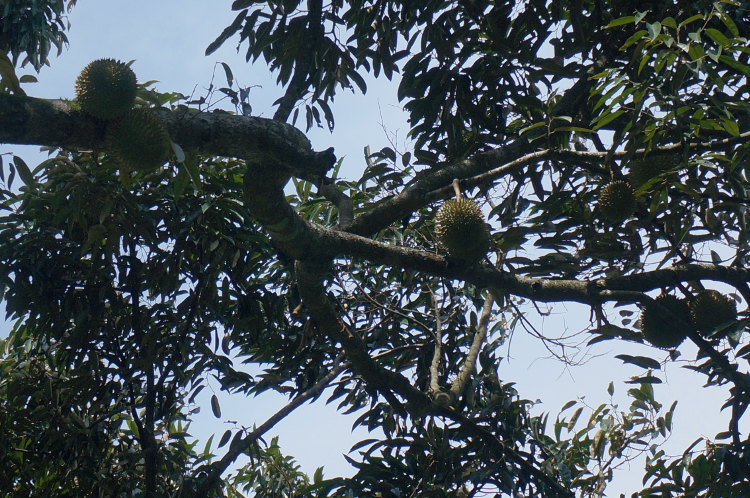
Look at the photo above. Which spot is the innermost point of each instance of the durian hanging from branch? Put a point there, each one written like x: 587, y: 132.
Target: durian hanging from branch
x: 616, y: 202
x: 136, y: 138
x: 645, y: 168
x: 711, y: 309
x: 664, y: 321
x: 106, y: 88
x: 461, y: 228
x: 139, y: 141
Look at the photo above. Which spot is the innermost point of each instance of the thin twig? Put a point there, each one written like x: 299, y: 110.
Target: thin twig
x: 238, y: 447
x: 438, y: 353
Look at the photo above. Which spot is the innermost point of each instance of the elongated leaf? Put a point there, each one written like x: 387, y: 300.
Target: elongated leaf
x: 24, y: 172
x: 215, y: 407
x: 717, y: 36
x: 574, y: 419
x: 225, y: 437
x: 641, y: 361
x: 227, y: 33
x: 621, y: 21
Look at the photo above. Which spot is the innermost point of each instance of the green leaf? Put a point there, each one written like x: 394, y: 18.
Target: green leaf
x: 646, y: 58
x: 8, y: 74
x: 225, y: 437
x: 181, y: 181
x: 191, y: 166
x: 714, y: 53
x: 729, y: 23
x: 696, y: 52
x: 568, y: 405
x: 669, y: 22
x: 653, y: 29
x: 718, y: 37
x: 24, y: 172
x: 641, y: 361
x: 574, y: 418
x: 227, y: 33
x: 608, y: 118
x: 646, y: 379
x: 731, y: 127
x: 228, y: 74
x: 694, y: 18
x: 621, y: 21
x: 574, y: 128
x: 634, y: 38
x: 735, y: 65
x: 178, y: 152
x: 528, y: 128
x: 215, y: 407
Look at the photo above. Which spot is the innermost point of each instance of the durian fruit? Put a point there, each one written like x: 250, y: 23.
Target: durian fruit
x: 645, y: 168
x: 659, y: 328
x: 461, y: 228
x: 710, y: 309
x: 616, y: 201
x: 138, y: 140
x: 106, y: 88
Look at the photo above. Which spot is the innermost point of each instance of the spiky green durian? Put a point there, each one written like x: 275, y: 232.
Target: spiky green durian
x: 138, y: 140
x: 106, y: 88
x: 645, y: 168
x: 659, y: 328
x: 710, y: 309
x: 616, y: 201
x: 461, y: 228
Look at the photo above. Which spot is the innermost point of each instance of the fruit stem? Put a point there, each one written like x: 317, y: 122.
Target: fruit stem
x: 457, y: 188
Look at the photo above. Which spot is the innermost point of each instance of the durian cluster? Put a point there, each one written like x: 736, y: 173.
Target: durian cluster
x: 617, y: 201
x: 461, y: 228
x: 135, y: 137
x: 665, y: 321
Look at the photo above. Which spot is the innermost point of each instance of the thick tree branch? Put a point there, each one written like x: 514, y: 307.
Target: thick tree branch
x: 415, y: 196
x: 301, y: 240
x: 342, y: 202
x: 31, y: 121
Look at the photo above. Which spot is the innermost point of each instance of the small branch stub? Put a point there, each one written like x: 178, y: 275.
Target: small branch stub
x: 457, y: 188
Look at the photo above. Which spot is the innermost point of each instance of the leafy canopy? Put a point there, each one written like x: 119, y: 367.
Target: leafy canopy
x: 130, y: 289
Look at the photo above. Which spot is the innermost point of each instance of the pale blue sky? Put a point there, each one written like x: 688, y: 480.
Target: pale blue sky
x: 168, y: 39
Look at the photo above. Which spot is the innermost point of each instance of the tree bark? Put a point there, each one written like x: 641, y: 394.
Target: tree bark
x: 32, y: 121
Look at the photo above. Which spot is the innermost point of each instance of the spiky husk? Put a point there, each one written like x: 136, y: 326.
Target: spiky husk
x: 645, y: 168
x: 461, y: 228
x: 138, y: 140
x: 710, y: 309
x: 106, y: 88
x: 659, y: 328
x: 616, y: 201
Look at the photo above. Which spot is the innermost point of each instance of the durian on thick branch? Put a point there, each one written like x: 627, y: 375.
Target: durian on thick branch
x: 32, y: 121
x: 302, y: 240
